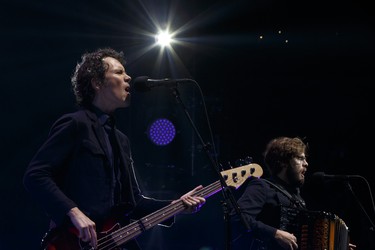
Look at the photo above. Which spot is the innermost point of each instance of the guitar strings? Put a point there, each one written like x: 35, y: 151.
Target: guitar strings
x: 133, y: 229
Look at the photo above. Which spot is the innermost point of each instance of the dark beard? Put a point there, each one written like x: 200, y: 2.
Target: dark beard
x: 293, y: 178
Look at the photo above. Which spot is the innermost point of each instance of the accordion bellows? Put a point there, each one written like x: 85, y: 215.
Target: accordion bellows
x: 315, y: 230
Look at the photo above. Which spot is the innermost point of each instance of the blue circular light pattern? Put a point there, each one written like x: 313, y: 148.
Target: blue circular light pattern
x: 161, y: 132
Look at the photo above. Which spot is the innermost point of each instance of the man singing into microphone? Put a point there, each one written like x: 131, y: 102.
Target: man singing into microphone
x: 83, y: 175
x: 263, y: 198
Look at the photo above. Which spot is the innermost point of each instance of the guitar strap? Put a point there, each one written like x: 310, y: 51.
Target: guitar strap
x: 298, y: 202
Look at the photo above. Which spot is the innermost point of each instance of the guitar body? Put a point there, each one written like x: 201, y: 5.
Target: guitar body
x: 58, y: 239
x: 67, y: 239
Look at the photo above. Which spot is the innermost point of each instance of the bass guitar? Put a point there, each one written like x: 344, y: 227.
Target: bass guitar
x: 67, y: 239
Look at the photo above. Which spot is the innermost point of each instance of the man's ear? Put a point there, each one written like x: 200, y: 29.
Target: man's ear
x: 284, y: 165
x: 95, y: 84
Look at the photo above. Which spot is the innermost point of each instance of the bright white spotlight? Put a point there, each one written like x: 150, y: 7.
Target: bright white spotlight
x: 164, y: 39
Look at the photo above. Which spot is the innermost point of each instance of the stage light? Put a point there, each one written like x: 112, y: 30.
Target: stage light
x: 164, y: 39
x: 161, y: 132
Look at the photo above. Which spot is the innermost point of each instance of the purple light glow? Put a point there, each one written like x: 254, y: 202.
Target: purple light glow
x: 162, y: 132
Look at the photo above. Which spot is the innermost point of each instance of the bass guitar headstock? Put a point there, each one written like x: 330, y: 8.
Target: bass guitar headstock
x: 235, y: 177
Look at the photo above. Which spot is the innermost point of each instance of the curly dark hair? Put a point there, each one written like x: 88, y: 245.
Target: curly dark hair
x: 281, y: 150
x: 91, y: 67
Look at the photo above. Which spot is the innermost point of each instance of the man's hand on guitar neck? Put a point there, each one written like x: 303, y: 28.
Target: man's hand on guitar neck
x: 86, y: 227
x: 192, y: 202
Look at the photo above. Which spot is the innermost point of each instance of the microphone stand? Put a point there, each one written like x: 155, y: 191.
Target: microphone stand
x: 372, y: 226
x: 227, y: 194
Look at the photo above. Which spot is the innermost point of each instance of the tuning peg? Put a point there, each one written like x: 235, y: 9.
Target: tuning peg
x: 243, y: 172
x: 234, y: 177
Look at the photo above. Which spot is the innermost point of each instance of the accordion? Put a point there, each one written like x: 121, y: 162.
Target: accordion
x: 315, y: 230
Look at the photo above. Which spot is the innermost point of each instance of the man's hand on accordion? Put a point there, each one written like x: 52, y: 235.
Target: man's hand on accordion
x: 289, y: 241
x: 286, y: 240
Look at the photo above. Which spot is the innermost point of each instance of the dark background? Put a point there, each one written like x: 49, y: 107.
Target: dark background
x: 313, y: 79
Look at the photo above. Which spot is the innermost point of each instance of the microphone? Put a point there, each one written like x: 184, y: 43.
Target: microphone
x: 323, y: 176
x: 144, y: 83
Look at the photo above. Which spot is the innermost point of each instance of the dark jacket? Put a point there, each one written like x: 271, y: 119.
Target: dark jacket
x: 72, y: 169
x: 261, y: 205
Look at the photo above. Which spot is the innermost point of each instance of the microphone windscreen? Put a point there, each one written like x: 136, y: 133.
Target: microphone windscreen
x: 140, y: 84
